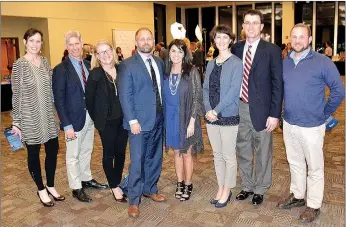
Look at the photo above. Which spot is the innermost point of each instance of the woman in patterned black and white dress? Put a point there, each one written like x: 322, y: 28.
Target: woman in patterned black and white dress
x: 34, y: 114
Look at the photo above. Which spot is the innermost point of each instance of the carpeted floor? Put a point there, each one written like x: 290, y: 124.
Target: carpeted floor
x: 20, y: 205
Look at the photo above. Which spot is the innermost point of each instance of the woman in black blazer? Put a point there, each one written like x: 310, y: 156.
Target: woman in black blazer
x: 102, y: 101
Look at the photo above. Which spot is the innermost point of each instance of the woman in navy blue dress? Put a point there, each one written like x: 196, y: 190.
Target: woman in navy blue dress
x: 183, y: 109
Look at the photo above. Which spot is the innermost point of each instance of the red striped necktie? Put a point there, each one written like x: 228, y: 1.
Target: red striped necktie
x: 245, y: 83
x: 83, y: 73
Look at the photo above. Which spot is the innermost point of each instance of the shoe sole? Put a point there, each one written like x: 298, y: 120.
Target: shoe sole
x: 133, y: 216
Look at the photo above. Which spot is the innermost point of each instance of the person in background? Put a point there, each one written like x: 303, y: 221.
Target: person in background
x: 197, y: 59
x: 87, y: 52
x: 328, y: 50
x: 34, y: 114
x: 119, y: 54
x: 283, y: 48
x: 69, y: 81
x: 188, y: 45
x: 183, y: 109
x: 259, y: 109
x: 221, y: 100
x: 65, y: 55
x: 134, y: 51
x: 210, y: 54
x: 305, y: 113
x: 286, y: 51
x: 242, y: 35
x: 103, y: 105
x: 163, y: 51
x: 156, y: 51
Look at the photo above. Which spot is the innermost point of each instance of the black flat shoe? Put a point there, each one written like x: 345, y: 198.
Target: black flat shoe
x: 47, y: 204
x: 60, y: 198
x: 257, y: 199
x: 93, y: 184
x: 122, y: 200
x: 243, y: 195
x: 221, y: 205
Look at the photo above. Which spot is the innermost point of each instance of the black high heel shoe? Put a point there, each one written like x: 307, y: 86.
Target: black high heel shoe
x: 187, y: 192
x: 220, y: 205
x: 60, y: 198
x: 179, y: 190
x: 122, y: 200
x: 213, y: 201
x: 47, y: 204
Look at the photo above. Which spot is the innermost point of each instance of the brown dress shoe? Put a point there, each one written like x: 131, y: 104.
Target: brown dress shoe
x: 133, y: 211
x: 309, y: 215
x: 155, y: 197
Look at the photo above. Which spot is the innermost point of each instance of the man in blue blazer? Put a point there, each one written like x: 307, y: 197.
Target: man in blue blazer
x: 140, y: 82
x: 260, y: 107
x: 69, y: 80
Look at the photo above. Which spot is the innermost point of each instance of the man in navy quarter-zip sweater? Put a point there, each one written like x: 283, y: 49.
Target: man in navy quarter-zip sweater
x: 306, y: 73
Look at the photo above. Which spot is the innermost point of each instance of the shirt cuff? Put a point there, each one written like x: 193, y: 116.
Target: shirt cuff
x: 133, y: 122
x: 68, y: 127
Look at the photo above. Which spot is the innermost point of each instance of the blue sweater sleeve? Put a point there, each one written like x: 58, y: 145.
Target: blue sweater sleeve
x: 334, y: 83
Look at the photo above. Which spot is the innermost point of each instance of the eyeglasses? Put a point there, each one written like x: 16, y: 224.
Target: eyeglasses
x: 103, y: 53
x: 248, y: 23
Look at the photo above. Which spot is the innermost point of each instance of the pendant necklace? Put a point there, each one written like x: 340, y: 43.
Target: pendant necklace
x: 173, y: 87
x: 110, y: 79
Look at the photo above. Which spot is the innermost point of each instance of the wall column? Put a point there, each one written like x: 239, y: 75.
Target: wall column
x: 287, y: 20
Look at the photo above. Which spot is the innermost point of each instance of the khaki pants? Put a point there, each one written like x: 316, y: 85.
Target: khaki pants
x: 78, y: 155
x: 223, y: 142
x: 305, y: 146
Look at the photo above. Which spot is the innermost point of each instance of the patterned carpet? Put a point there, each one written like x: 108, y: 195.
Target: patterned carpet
x: 20, y: 205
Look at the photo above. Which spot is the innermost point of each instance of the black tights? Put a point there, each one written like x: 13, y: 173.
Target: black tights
x: 114, y: 141
x: 51, y: 149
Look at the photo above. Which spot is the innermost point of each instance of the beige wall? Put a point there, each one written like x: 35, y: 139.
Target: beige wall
x: 95, y: 20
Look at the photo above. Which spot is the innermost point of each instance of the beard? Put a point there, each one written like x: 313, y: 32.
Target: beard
x: 300, y: 48
x: 145, y: 49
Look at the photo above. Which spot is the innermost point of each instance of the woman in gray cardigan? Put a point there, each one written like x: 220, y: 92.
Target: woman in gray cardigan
x: 221, y: 91
x: 183, y: 109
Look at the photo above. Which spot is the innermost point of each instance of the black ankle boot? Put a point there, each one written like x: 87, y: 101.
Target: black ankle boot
x: 187, y: 192
x: 179, y: 190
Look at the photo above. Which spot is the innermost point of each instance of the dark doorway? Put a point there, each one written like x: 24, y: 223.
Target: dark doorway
x: 160, y: 23
x: 208, y: 22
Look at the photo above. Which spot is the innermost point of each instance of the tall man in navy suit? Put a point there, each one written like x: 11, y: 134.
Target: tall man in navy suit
x: 69, y: 80
x: 260, y: 107
x: 140, y: 91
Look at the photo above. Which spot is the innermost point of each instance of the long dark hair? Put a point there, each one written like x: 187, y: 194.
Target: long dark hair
x: 186, y: 64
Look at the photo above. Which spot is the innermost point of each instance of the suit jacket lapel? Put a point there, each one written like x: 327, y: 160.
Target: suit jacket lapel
x: 73, y: 73
x: 258, y: 54
x: 241, y: 50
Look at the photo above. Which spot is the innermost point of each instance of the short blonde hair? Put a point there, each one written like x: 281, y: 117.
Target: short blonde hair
x: 302, y: 25
x: 94, y: 61
x: 70, y: 34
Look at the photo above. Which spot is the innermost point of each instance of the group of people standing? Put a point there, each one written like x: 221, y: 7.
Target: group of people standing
x: 152, y: 102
